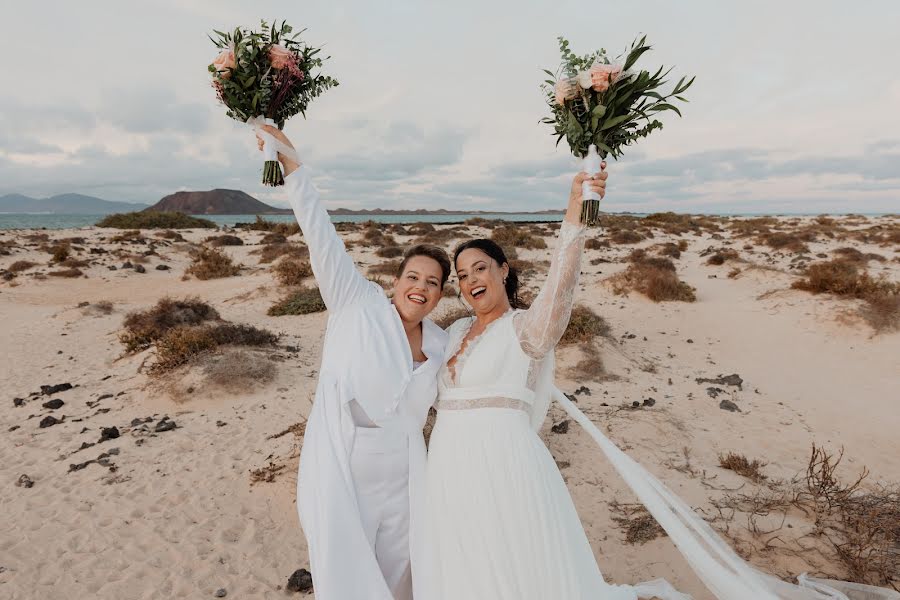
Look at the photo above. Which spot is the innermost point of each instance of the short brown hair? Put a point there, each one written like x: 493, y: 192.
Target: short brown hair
x: 432, y: 252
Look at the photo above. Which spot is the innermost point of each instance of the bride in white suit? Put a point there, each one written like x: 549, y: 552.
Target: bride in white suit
x: 359, y: 489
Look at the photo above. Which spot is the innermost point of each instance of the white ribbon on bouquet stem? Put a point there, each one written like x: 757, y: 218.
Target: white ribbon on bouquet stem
x: 271, y: 146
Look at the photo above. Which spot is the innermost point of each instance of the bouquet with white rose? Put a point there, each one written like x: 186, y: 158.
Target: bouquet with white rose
x: 266, y: 77
x: 602, y: 105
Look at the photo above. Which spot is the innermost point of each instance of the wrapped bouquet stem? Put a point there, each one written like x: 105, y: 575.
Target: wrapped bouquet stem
x: 601, y: 106
x: 264, y: 78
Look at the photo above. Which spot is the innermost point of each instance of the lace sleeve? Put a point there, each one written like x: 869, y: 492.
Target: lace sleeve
x: 340, y: 283
x: 540, y: 327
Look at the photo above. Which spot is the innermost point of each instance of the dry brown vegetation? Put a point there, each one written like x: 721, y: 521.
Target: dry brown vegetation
x: 451, y: 316
x: 591, y: 367
x: 595, y: 244
x: 720, y: 256
x: 388, y: 268
x: 143, y: 328
x: 66, y: 273
x: 270, y: 252
x: 300, y: 302
x: 292, y: 271
x: 843, y: 278
x: 854, y: 255
x: 636, y: 523
x: 22, y: 265
x: 656, y: 278
x: 168, y: 234
x: 212, y: 263
x: 389, y: 252
x: 224, y: 240
x: 625, y: 236
x: 261, y: 224
x: 273, y: 238
x: 512, y: 236
x: 584, y: 326
x: 851, y: 525
x: 742, y: 466
x: 181, y: 345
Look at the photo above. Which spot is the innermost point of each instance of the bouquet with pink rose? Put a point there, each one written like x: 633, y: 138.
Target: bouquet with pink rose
x: 602, y: 106
x: 266, y: 77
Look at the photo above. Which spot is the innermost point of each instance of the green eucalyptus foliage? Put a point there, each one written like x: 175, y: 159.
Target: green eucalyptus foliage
x: 617, y: 117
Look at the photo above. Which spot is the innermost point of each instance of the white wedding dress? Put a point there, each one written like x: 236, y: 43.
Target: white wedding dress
x: 499, y: 520
x: 500, y: 523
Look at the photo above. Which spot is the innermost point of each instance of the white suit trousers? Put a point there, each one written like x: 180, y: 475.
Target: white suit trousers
x: 379, y: 463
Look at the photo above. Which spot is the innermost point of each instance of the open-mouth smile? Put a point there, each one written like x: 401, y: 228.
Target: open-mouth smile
x: 479, y: 291
x: 417, y: 298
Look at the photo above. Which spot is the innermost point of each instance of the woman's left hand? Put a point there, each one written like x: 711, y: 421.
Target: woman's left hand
x: 597, y: 184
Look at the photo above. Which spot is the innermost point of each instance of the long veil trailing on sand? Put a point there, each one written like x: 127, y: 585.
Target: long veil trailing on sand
x: 723, y: 572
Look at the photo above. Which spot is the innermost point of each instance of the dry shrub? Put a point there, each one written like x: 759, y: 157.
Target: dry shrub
x: 261, y: 224
x: 527, y: 267
x: 669, y: 249
x: 636, y: 522
x: 854, y: 255
x: 132, y: 236
x: 732, y: 274
x: 37, y: 237
x: 22, y: 265
x: 656, y: 280
x: 60, y: 252
x: 754, y: 226
x: 300, y: 302
x: 270, y: 252
x: 389, y: 252
x: 858, y: 527
x: 74, y: 263
x: 389, y: 268
x: 212, y: 263
x: 420, y: 228
x: 168, y: 234
x: 784, y: 241
x: 449, y: 291
x: 142, y: 328
x: 104, y: 306
x: 439, y: 237
x: 721, y: 256
x: 591, y: 367
x: 451, y: 316
x: 237, y: 369
x: 224, y: 240
x: 584, y: 326
x: 595, y: 244
x: 273, y: 238
x: 625, y: 236
x: 740, y: 465
x: 512, y: 236
x: 183, y: 344
x: 290, y: 271
x: 66, y: 273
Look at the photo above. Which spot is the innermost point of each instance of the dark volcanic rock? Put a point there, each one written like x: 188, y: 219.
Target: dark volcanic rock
x: 49, y: 421
x: 165, y: 424
x: 18, y: 401
x: 49, y: 390
x: 733, y: 379
x: 300, y: 581
x: 53, y: 404
x: 24, y: 481
x: 109, y: 433
x: 729, y: 406
x: 140, y: 268
x: 162, y: 267
x: 561, y: 427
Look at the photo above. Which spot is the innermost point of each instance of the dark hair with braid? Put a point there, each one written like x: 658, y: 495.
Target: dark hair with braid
x: 493, y: 250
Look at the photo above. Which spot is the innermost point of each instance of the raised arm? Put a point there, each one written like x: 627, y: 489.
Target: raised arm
x: 340, y: 283
x: 541, y: 326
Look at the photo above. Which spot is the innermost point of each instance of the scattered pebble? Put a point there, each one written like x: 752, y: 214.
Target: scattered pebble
x: 729, y: 406
x: 300, y: 581
x: 108, y: 433
x: 18, y: 401
x: 24, y: 481
x: 49, y: 421
x: 53, y: 404
x: 165, y: 424
x: 220, y: 593
x: 561, y: 427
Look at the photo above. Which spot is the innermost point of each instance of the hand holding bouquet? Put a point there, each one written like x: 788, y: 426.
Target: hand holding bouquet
x: 265, y: 78
x: 602, y: 105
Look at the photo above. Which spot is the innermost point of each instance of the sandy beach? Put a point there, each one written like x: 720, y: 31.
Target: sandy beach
x: 189, y: 481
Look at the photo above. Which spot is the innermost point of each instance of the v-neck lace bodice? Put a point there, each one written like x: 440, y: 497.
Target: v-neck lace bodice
x: 505, y: 365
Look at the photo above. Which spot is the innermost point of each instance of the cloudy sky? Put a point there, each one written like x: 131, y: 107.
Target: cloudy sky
x: 795, y: 106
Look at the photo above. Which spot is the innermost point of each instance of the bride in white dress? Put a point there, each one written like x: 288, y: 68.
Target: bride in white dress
x: 500, y: 521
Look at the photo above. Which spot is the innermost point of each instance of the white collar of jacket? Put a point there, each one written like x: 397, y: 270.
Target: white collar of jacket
x: 376, y: 364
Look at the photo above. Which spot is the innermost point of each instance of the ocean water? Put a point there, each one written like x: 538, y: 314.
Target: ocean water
x: 54, y: 221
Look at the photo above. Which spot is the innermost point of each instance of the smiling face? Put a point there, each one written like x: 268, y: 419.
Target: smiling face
x: 418, y: 289
x: 481, y: 281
